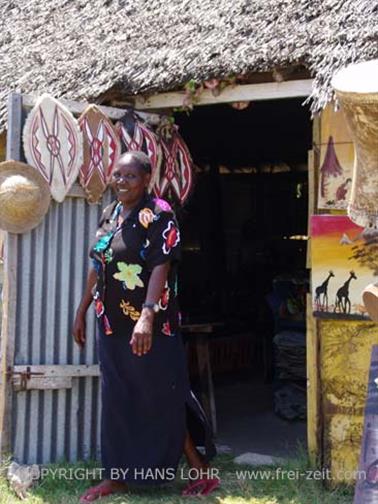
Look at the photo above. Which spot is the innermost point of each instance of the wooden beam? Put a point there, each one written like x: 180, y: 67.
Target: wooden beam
x: 54, y: 370
x: 77, y: 108
x: 245, y: 92
x: 8, y: 330
x: 50, y: 377
x: 41, y: 383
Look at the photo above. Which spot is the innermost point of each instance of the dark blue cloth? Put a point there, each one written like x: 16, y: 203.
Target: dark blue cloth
x: 147, y: 407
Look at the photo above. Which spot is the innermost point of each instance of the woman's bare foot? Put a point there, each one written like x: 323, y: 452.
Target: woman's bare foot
x: 203, y: 483
x: 106, y: 487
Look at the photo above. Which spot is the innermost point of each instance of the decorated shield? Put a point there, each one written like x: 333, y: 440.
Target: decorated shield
x: 101, y: 149
x: 174, y: 178
x: 53, y: 144
x: 138, y: 136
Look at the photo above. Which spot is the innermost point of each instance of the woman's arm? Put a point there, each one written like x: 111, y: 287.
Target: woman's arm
x: 79, y: 326
x: 141, y: 339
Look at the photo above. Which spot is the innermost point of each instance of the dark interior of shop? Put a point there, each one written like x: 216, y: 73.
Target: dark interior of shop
x: 243, y: 267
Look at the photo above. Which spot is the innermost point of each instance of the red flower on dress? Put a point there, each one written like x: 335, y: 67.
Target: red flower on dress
x: 99, y: 305
x: 167, y: 329
x: 172, y: 237
x: 164, y: 299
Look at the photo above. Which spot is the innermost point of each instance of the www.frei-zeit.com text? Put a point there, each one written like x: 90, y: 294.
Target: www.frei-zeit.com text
x: 170, y: 474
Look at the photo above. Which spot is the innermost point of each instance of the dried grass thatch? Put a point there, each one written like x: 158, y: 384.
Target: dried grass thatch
x: 80, y: 49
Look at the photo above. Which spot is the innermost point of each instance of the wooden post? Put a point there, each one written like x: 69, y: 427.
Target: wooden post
x: 7, y: 342
x: 313, y: 385
x: 314, y: 425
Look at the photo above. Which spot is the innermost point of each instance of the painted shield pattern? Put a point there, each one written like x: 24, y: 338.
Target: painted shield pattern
x: 101, y: 149
x: 53, y: 144
x: 175, y: 177
x: 136, y: 135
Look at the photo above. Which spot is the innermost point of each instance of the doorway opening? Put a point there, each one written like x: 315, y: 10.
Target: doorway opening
x: 244, y: 266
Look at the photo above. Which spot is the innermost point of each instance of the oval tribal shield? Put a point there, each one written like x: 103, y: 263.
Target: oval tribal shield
x: 53, y: 144
x: 101, y: 149
x: 175, y: 177
x: 136, y: 135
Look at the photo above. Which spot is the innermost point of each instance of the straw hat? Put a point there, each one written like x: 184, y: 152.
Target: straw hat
x: 370, y: 299
x: 24, y: 197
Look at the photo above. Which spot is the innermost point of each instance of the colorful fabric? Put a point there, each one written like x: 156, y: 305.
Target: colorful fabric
x: 124, y: 258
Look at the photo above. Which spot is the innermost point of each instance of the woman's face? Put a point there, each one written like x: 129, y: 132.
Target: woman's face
x: 129, y: 181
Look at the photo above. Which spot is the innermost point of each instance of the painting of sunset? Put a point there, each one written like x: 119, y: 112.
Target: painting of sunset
x: 344, y: 261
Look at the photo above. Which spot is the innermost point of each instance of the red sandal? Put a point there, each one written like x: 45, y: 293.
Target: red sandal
x: 96, y: 492
x: 200, y: 487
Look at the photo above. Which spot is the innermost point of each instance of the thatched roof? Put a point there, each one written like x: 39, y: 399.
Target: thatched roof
x: 80, y: 49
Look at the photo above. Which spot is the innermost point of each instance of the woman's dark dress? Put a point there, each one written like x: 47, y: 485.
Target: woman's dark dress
x: 147, y: 405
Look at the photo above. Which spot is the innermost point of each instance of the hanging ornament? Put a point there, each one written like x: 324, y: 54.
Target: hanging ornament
x: 175, y: 177
x: 101, y: 149
x: 137, y: 136
x: 53, y: 144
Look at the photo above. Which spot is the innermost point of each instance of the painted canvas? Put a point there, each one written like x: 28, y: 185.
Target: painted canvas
x: 335, y: 174
x: 344, y: 261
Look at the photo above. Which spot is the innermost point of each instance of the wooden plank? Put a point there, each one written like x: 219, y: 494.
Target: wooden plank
x: 42, y: 383
x: 206, y: 379
x: 366, y: 488
x: 77, y: 108
x: 313, y: 385
x: 62, y: 370
x: 200, y: 328
x: 245, y: 92
x: 311, y: 203
x: 8, y: 330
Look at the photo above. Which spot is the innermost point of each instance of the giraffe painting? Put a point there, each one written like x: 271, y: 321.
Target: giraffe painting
x: 342, y: 302
x: 344, y: 260
x: 321, y: 293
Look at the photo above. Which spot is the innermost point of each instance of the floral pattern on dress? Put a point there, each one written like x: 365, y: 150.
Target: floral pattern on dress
x: 166, y: 329
x: 108, y: 255
x: 146, y: 216
x: 161, y: 204
x: 164, y: 298
x: 171, y: 237
x: 143, y: 251
x: 99, y: 305
x: 129, y: 310
x: 129, y: 275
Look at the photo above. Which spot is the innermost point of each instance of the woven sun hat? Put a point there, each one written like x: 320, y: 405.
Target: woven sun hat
x: 370, y: 299
x: 24, y: 197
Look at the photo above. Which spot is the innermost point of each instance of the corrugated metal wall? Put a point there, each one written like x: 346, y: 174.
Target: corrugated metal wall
x: 52, y: 268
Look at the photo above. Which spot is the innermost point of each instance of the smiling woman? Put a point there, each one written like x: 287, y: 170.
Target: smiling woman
x: 146, y: 398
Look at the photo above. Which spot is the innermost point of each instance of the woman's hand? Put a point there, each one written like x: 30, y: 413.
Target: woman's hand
x: 141, y: 339
x: 79, y: 329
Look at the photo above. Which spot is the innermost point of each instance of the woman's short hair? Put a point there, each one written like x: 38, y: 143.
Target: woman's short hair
x: 140, y: 158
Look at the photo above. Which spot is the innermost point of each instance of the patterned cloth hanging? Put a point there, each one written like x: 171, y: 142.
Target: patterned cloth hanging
x: 101, y: 149
x: 356, y: 88
x: 174, y: 179
x: 53, y: 144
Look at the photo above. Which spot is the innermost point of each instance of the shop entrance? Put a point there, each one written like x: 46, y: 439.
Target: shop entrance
x: 244, y: 266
